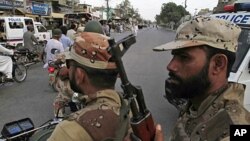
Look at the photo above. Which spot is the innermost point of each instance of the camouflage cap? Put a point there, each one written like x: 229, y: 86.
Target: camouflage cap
x: 90, y: 49
x: 202, y: 30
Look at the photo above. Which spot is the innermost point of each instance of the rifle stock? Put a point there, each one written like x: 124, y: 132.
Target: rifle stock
x: 144, y: 129
x: 142, y: 121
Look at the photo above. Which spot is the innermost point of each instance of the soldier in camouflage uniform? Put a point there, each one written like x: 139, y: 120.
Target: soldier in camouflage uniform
x: 93, y: 74
x: 203, y: 54
x: 65, y: 93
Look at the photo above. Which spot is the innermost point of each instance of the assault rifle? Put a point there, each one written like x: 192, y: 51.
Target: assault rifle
x: 141, y: 122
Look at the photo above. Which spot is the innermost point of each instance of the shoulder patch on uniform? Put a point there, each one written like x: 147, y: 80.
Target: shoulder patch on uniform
x: 100, y: 124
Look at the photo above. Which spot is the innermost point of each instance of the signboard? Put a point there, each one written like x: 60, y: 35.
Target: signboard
x: 237, y: 18
x: 40, y: 8
x: 4, y: 4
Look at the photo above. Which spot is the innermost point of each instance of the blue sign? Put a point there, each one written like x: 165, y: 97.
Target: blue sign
x: 40, y: 8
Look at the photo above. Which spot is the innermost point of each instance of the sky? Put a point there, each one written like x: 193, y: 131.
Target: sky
x: 149, y: 8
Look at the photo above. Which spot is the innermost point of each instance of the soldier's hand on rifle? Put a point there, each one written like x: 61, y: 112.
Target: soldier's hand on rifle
x: 159, y: 136
x: 159, y: 133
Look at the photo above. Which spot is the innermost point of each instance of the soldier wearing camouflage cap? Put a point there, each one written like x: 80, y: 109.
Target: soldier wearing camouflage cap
x: 203, y: 55
x: 93, y: 74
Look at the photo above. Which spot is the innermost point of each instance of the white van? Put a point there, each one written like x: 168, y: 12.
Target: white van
x: 41, y: 33
x: 13, y: 28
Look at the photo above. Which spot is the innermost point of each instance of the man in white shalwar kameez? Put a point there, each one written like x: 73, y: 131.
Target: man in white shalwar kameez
x: 6, y: 63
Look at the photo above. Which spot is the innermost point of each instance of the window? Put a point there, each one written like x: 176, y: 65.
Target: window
x: 16, y: 25
x: 2, y: 31
x: 2, y: 25
x: 41, y: 28
x: 28, y: 21
x: 243, y: 47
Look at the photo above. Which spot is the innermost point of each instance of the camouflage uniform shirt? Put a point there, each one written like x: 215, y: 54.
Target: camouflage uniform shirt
x: 97, y: 121
x: 212, y: 119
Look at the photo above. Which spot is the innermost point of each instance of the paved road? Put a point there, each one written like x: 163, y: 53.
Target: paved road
x: 146, y: 68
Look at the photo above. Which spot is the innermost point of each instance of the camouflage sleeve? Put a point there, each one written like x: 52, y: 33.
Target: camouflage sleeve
x: 69, y: 131
x: 237, y: 112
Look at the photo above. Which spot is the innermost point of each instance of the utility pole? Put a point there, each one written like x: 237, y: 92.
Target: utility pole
x: 185, y: 4
x: 107, y: 10
x: 73, y: 6
x: 13, y: 7
x: 24, y: 6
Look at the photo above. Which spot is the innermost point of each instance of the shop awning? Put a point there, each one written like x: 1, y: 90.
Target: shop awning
x: 57, y: 15
x: 20, y: 11
x: 31, y: 15
x: 46, y: 16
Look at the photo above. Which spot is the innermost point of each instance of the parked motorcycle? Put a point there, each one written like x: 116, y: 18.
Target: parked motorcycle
x: 19, y: 72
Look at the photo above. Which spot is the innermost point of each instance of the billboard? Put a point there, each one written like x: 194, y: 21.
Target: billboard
x: 40, y: 9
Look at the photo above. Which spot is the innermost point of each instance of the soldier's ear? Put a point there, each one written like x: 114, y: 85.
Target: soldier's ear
x: 80, y: 75
x: 219, y: 63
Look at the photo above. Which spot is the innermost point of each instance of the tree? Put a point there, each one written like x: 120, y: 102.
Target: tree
x: 126, y: 7
x: 204, y: 11
x: 170, y: 12
x: 158, y: 19
x: 129, y: 11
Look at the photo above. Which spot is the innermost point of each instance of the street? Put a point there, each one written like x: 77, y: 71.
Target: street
x: 34, y: 97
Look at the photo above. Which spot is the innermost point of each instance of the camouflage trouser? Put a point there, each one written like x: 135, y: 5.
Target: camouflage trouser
x: 64, y: 96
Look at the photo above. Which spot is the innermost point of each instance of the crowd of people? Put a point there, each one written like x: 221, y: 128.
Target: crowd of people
x: 198, y: 75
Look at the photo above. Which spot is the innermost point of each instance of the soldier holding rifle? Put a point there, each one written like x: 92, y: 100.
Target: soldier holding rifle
x: 94, y: 62
x: 93, y: 74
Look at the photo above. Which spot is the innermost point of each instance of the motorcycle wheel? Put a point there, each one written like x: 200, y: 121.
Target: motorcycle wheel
x: 44, y: 57
x: 19, y: 72
x: 22, y: 59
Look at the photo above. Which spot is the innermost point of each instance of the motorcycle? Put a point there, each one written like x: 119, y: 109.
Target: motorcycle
x: 24, y: 130
x: 32, y: 57
x: 19, y: 71
x: 53, y: 70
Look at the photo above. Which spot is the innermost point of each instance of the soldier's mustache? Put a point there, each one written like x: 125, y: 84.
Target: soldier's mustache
x: 174, y: 77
